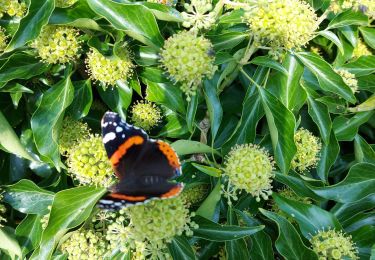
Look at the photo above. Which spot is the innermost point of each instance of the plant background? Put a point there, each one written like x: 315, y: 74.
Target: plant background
x: 264, y: 102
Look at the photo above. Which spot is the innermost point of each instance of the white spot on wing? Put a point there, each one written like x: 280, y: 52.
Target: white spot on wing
x: 119, y: 129
x: 109, y: 137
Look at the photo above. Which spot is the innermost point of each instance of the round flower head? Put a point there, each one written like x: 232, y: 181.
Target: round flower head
x: 194, y: 194
x: 108, y: 70
x: 289, y: 194
x: 249, y: 167
x: 188, y: 59
x: 3, y: 40
x: 361, y: 49
x: 12, y: 8
x: 365, y: 6
x: 64, y: 3
x: 145, y: 114
x: 71, y: 133
x: 308, y: 149
x: 198, y: 15
x: 281, y: 23
x: 57, y: 44
x: 85, y: 244
x: 333, y: 244
x: 157, y: 222
x: 349, y: 79
x: 88, y: 162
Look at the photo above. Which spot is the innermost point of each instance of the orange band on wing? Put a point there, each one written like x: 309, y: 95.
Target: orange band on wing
x: 169, y: 153
x: 122, y: 149
x: 126, y: 197
x: 173, y: 192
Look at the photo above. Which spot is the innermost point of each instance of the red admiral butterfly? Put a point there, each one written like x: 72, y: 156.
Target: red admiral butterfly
x: 144, y: 167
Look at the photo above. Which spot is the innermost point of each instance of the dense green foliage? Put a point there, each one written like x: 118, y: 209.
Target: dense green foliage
x: 269, y: 105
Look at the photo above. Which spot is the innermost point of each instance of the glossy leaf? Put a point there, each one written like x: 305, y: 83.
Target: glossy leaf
x: 328, y: 79
x: 213, y: 106
x: 363, y: 66
x: 367, y: 105
x: 281, y: 123
x: 363, y: 151
x: 29, y: 233
x: 268, y: 62
x: 46, y: 120
x: 181, y: 249
x: 126, y: 17
x: 82, y: 99
x: 30, y: 26
x: 348, y: 18
x: 346, y: 128
x: 69, y: 209
x: 358, y: 184
x: 183, y: 147
x: 289, y: 244
x: 214, y: 172
x: 332, y: 37
x: 207, y: 208
x: 368, y: 35
x: 164, y: 12
x: 310, y: 218
x: 9, y: 243
x: 26, y: 197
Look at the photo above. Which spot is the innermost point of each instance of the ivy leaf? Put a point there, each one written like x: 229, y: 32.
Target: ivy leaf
x: 29, y: 232
x: 181, y: 249
x: 348, y: 18
x: 183, y: 147
x: 213, y: 106
x: 46, y: 120
x: 346, y: 128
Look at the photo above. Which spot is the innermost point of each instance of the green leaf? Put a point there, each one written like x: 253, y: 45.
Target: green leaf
x: 252, y: 112
x: 348, y: 18
x: 288, y: 243
x: 364, y: 239
x: 320, y: 115
x: 9, y: 140
x: 235, y: 16
x: 21, y: 66
x: 332, y: 37
x: 363, y: 66
x: 215, y: 232
x: 180, y: 248
x: 281, y: 123
x: 69, y: 209
x: 368, y: 35
x: 29, y: 233
x: 175, y: 127
x: 344, y: 211
x: 358, y: 184
x: 164, y: 12
x: 367, y: 105
x: 227, y: 40
x: 328, y: 156
x: 9, y: 243
x: 328, y: 79
x: 211, y: 171
x: 82, y: 100
x: 26, y: 197
x: 166, y: 94
x: 214, y: 108
x: 268, y: 62
x: 183, y: 147
x: 363, y: 151
x: 46, y: 120
x: 208, y: 206
x: 31, y: 25
x: 346, y: 128
x: 310, y: 218
x: 191, y: 112
x: 126, y: 17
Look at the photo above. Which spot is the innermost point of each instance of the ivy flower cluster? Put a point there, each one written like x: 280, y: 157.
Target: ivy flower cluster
x: 188, y: 60
x: 361, y: 49
x: 332, y: 244
x: 109, y: 69
x: 72, y: 132
x: 3, y: 39
x: 198, y: 15
x: 281, y: 23
x: 349, y: 79
x: 145, y: 114
x: 365, y: 6
x: 308, y: 150
x: 57, y: 44
x: 12, y: 8
x: 248, y: 167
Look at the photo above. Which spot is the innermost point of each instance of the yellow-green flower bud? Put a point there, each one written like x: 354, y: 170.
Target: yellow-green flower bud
x: 331, y: 244
x: 3, y: 40
x: 71, y: 133
x: 85, y: 244
x: 349, y: 79
x: 289, y: 194
x: 57, y: 44
x: 108, y: 70
x: 308, y: 150
x: 249, y: 168
x: 64, y: 3
x: 12, y: 8
x: 361, y: 49
x: 145, y: 114
x: 281, y: 23
x: 188, y: 59
x: 88, y: 162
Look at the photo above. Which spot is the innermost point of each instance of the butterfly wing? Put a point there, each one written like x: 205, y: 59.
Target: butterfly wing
x: 144, y: 167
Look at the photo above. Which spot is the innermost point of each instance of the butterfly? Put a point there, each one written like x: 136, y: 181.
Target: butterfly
x: 145, y: 167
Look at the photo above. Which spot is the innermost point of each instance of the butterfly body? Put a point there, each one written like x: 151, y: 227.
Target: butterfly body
x: 145, y: 167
